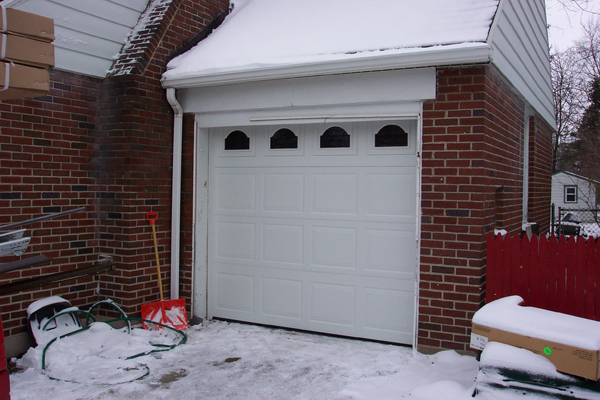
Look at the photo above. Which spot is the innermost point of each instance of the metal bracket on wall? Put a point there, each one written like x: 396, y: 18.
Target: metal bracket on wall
x: 100, y: 266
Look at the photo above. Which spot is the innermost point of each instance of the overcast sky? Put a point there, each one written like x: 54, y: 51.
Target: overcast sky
x: 565, y: 25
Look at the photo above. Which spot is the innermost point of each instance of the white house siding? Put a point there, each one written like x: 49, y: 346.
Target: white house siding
x: 89, y: 33
x: 586, y: 191
x: 521, y: 51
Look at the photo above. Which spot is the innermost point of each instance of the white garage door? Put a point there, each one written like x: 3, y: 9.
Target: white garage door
x: 313, y: 227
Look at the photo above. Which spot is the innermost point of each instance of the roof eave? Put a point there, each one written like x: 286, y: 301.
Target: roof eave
x: 473, y: 53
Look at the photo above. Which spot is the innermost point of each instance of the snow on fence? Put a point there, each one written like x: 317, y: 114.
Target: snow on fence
x: 558, y: 275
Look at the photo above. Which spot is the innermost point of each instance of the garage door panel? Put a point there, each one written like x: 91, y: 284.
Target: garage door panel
x: 283, y: 192
x: 385, y: 190
x: 234, y: 292
x: 282, y: 298
x: 334, y: 247
x: 283, y: 243
x: 377, y: 300
x: 389, y: 250
x: 335, y: 193
x: 235, y: 191
x: 235, y: 240
x: 317, y: 240
x: 333, y: 304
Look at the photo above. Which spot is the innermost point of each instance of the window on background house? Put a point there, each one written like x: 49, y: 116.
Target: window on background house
x: 570, y: 194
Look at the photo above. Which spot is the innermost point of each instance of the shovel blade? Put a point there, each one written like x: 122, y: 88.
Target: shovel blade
x: 166, y: 312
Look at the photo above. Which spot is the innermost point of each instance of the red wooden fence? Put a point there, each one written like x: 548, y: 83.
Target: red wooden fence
x: 557, y: 275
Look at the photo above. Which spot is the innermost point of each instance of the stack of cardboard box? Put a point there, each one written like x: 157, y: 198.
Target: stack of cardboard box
x: 26, y: 53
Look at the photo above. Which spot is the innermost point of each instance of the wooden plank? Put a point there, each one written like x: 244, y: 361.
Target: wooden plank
x: 535, y: 291
x: 561, y: 273
x: 524, y: 282
x: 493, y: 276
x: 579, y: 294
x: 590, y: 289
x: 24, y: 263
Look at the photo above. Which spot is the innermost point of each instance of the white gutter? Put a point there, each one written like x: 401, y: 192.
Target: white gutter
x: 176, y: 191
x: 469, y: 53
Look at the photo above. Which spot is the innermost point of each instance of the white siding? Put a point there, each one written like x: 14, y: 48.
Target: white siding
x: 89, y: 33
x: 586, y: 193
x: 521, y: 52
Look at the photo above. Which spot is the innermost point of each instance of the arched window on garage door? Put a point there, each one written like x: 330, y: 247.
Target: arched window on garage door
x: 237, y: 140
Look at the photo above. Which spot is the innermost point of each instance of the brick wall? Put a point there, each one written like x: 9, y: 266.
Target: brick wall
x: 473, y: 138
x: 135, y: 154
x: 540, y: 173
x: 107, y: 145
x: 46, y: 148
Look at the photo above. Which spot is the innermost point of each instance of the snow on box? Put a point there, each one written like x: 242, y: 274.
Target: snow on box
x: 261, y: 33
x: 572, y: 344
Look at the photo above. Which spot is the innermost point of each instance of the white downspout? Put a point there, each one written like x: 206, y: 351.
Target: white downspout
x: 176, y: 197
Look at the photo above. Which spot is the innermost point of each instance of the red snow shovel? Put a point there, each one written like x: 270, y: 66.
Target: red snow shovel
x: 166, y: 312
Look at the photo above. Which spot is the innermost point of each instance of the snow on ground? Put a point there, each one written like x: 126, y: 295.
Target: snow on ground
x: 236, y: 361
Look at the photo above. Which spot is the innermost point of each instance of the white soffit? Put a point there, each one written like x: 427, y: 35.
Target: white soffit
x: 312, y: 37
x: 390, y: 94
x: 89, y: 33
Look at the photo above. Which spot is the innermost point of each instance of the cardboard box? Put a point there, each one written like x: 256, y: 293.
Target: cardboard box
x: 26, y: 24
x: 568, y: 359
x: 20, y: 81
x: 26, y: 51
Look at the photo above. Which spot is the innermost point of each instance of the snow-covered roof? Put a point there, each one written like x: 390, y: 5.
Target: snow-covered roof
x: 268, y: 39
x: 261, y: 34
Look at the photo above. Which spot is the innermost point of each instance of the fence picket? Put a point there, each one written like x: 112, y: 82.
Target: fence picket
x: 535, y: 285
x: 597, y: 268
x: 559, y: 275
x: 590, y: 289
x: 561, y: 268
x: 523, y: 265
x: 579, y: 289
x: 515, y: 265
x: 506, y: 269
x: 552, y: 258
x: 570, y: 273
x: 494, y: 276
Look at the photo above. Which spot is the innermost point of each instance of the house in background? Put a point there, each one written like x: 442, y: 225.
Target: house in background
x: 308, y: 172
x: 570, y: 190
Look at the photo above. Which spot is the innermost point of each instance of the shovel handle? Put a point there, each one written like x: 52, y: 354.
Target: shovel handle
x: 152, y: 216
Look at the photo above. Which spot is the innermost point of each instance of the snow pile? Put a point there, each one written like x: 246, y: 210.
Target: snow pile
x: 500, y: 355
x: 261, y: 33
x: 99, y: 354
x: 507, y: 315
x: 445, y: 375
x: 235, y: 361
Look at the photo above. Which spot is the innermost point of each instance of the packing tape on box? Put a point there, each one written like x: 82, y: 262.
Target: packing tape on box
x: 3, y: 53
